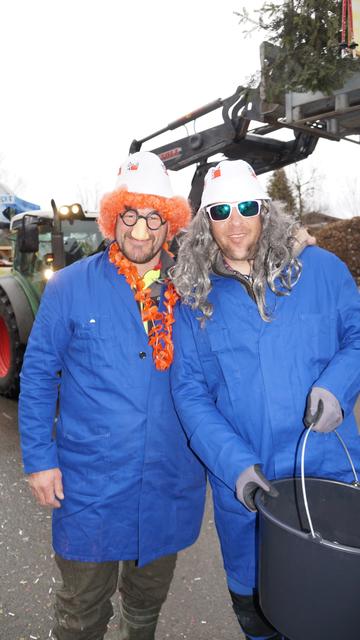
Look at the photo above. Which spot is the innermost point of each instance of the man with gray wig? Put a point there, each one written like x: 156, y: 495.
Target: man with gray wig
x: 267, y: 339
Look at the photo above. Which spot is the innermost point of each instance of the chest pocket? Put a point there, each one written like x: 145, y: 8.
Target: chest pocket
x: 209, y: 362
x: 220, y: 359
x: 93, y: 342
x: 319, y: 335
x: 236, y: 349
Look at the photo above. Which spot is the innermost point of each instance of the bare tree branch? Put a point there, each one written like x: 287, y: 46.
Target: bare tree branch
x: 89, y: 197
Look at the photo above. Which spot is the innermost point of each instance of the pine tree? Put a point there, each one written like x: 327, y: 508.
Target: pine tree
x: 307, y: 33
x: 279, y: 189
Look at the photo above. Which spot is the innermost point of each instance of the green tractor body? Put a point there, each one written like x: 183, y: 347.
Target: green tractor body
x: 42, y: 242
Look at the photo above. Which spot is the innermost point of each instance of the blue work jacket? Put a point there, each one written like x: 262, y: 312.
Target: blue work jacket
x: 240, y: 386
x: 133, y: 488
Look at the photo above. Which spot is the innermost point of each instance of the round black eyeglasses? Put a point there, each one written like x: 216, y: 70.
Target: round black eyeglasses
x: 153, y: 219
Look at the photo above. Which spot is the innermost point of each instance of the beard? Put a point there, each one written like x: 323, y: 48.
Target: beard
x: 141, y: 252
x: 140, y: 255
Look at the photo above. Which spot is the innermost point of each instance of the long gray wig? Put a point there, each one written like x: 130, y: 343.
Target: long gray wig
x: 275, y: 263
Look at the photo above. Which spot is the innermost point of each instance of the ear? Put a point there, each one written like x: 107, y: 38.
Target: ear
x: 169, y: 232
x: 166, y: 248
x: 170, y: 235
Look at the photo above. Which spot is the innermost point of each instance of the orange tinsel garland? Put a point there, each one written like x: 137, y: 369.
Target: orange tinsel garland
x: 161, y: 332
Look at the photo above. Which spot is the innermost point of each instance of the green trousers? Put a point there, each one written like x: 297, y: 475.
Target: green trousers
x: 83, y: 604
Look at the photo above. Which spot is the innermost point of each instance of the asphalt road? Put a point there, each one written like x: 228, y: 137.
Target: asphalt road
x: 197, y: 608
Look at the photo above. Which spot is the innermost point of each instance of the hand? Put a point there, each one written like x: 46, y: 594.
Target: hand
x: 47, y: 486
x: 247, y: 484
x: 302, y: 239
x: 323, y: 411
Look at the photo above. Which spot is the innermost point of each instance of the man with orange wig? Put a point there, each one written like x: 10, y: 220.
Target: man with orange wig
x: 118, y: 472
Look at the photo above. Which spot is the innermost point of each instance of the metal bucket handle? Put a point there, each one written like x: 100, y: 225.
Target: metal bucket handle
x: 356, y: 482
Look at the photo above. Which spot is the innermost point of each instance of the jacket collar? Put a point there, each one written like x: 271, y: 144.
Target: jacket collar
x: 220, y: 269
x: 167, y: 262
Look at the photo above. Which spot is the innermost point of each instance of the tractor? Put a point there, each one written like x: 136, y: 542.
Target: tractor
x: 42, y: 242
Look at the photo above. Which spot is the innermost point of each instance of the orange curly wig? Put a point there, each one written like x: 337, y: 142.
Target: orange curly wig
x: 175, y: 210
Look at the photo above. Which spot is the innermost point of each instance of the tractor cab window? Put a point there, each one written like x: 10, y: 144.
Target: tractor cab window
x: 32, y: 264
x: 81, y: 238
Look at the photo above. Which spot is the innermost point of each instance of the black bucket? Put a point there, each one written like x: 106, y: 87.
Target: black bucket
x: 309, y: 586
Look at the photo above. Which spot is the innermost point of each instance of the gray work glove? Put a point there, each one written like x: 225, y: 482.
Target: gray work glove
x: 247, y: 484
x: 323, y: 410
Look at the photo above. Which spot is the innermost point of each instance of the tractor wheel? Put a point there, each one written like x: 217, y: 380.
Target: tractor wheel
x: 11, y: 350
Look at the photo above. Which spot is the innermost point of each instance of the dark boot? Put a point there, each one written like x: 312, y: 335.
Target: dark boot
x: 251, y: 619
x: 138, y: 624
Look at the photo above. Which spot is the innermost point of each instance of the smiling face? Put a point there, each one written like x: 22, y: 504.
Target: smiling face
x: 140, y: 244
x: 236, y: 238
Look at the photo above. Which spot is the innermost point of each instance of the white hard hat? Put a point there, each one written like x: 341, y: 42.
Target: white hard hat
x: 232, y: 181
x: 144, y: 172
x: 143, y: 181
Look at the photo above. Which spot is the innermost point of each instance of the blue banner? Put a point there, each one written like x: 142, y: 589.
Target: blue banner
x: 17, y: 204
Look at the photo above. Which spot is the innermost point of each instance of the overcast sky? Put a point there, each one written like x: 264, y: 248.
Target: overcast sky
x: 81, y: 78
